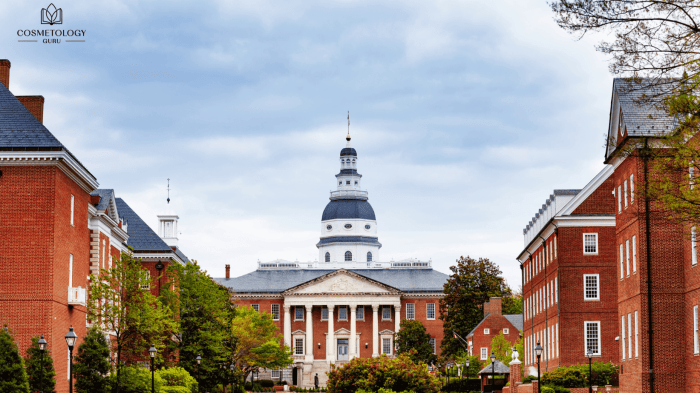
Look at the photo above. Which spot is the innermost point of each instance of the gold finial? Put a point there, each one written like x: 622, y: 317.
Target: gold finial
x: 347, y: 138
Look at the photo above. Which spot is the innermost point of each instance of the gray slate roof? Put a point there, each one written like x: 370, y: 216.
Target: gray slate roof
x: 635, y: 115
x: 105, y: 195
x: 497, y: 368
x: 19, y: 128
x: 277, y: 281
x: 516, y: 320
x: 141, y: 236
x: 182, y: 255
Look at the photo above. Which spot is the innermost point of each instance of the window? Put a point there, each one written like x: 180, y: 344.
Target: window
x: 347, y: 182
x: 275, y: 373
x: 299, y: 346
x: 410, y: 311
x: 275, y: 310
x: 430, y: 312
x: 487, y: 331
x: 70, y: 271
x: 147, y: 278
x: 619, y: 199
x: 328, y: 257
x: 622, y: 263
x: 631, y: 188
x: 636, y: 335
x: 557, y: 337
x: 432, y: 344
x: 634, y: 254
x: 324, y: 313
x: 484, y: 353
x: 592, y: 335
x: 256, y: 307
x: 625, y: 184
x: 505, y: 331
x: 555, y: 247
x: 693, y: 246
x: 629, y: 334
x: 104, y: 256
x: 361, y: 313
x: 623, y: 338
x: 386, y: 346
x: 627, y: 256
x: 342, y: 313
x: 556, y: 291
x: 348, y: 256
x: 369, y: 256
x: 386, y: 312
x: 298, y: 313
x: 72, y: 209
x: 696, y: 349
x: 590, y: 243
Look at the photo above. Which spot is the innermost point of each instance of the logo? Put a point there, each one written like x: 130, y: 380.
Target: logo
x: 51, y: 15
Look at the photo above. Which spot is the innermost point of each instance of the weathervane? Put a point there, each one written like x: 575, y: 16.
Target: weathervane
x: 168, y: 191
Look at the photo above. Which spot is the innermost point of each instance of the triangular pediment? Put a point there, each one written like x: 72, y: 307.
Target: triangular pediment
x: 298, y: 332
x: 341, y: 281
x: 386, y: 331
x: 342, y: 332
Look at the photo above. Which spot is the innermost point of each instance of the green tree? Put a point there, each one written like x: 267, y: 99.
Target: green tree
x: 120, y: 302
x: 414, y: 341
x: 204, y: 310
x: 13, y: 376
x: 470, y: 285
x: 513, y: 304
x: 257, y: 342
x: 40, y: 369
x: 503, y: 349
x: 92, y: 365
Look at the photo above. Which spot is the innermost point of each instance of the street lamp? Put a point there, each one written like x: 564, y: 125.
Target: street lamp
x: 42, y: 348
x: 70, y: 340
x: 493, y: 370
x: 466, y: 365
x: 152, y: 351
x: 590, y: 375
x: 538, y: 353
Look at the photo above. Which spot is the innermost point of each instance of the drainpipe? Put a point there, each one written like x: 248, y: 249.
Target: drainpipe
x: 546, y: 302
x: 645, y: 160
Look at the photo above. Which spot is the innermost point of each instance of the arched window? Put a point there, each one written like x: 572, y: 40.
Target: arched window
x: 369, y: 256
x: 328, y: 257
x: 348, y: 256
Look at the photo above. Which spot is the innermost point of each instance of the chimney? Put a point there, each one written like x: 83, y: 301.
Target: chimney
x: 228, y: 271
x: 5, y: 72
x: 493, y: 306
x: 34, y: 104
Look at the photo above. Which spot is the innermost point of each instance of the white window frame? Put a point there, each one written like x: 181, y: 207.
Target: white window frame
x: 627, y: 256
x: 324, y: 313
x: 595, y: 237
x: 619, y: 199
x: 297, y: 339
x: 484, y: 353
x: 147, y: 285
x: 505, y: 331
x: 386, y: 348
x: 345, y: 309
x: 410, y: 311
x: 487, y: 331
x: 433, y: 344
x: 256, y: 307
x: 72, y: 210
x: 275, y: 311
x: 360, y: 313
x: 429, y: 310
x: 696, y: 347
x: 632, y: 188
x: 275, y: 373
x: 693, y: 246
x: 555, y: 247
x: 634, y: 254
x: 622, y: 336
x: 70, y: 271
x: 296, y: 313
x: 585, y: 336
x: 625, y: 184
x: 636, y: 335
x: 622, y: 263
x: 629, y: 335
x: 385, y: 313
x: 556, y: 290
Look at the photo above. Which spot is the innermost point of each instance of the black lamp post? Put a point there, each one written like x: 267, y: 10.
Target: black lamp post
x: 70, y: 340
x: 152, y: 351
x: 42, y: 348
x: 493, y: 370
x: 590, y: 375
x: 466, y: 365
x: 199, y: 361
x: 538, y: 353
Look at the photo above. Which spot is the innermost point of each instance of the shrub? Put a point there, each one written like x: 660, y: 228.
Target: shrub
x: 175, y: 389
x: 266, y: 383
x: 462, y: 385
x: 256, y: 387
x: 40, y: 368
x: 91, y: 364
x: 14, y: 376
x: 559, y: 389
x: 546, y: 389
x: 135, y: 380
x: 178, y: 377
x: 577, y: 376
x: 399, y: 374
x: 529, y: 379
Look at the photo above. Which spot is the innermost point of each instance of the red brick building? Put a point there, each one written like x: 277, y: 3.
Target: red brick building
x: 350, y: 304
x: 56, y: 229
x: 493, y: 324
x: 569, y: 284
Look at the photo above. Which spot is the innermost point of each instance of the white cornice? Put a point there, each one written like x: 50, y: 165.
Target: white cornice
x: 585, y: 221
x: 64, y: 161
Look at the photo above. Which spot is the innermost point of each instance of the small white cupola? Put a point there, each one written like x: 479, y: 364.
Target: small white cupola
x: 167, y: 229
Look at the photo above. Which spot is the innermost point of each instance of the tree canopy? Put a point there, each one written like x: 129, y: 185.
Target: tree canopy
x: 414, y: 341
x: 92, y: 365
x: 471, y: 284
x: 40, y: 370
x: 13, y: 376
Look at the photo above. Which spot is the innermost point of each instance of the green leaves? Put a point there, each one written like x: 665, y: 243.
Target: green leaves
x: 414, y: 341
x: 92, y: 365
x: 503, y: 349
x: 13, y: 377
x: 40, y: 368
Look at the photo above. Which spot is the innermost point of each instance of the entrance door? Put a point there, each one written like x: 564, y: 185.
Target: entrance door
x: 294, y: 377
x: 343, y: 349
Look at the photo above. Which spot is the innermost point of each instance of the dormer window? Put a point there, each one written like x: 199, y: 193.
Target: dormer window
x: 347, y: 182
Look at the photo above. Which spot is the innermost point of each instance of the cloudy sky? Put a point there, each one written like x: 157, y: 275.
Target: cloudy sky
x: 465, y: 115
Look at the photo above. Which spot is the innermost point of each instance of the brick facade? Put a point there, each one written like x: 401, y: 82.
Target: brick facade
x: 494, y: 323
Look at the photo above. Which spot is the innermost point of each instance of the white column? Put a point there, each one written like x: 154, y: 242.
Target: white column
x: 375, y: 330
x: 330, y: 348
x: 397, y: 315
x: 309, y: 334
x: 353, y: 331
x: 287, y: 326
